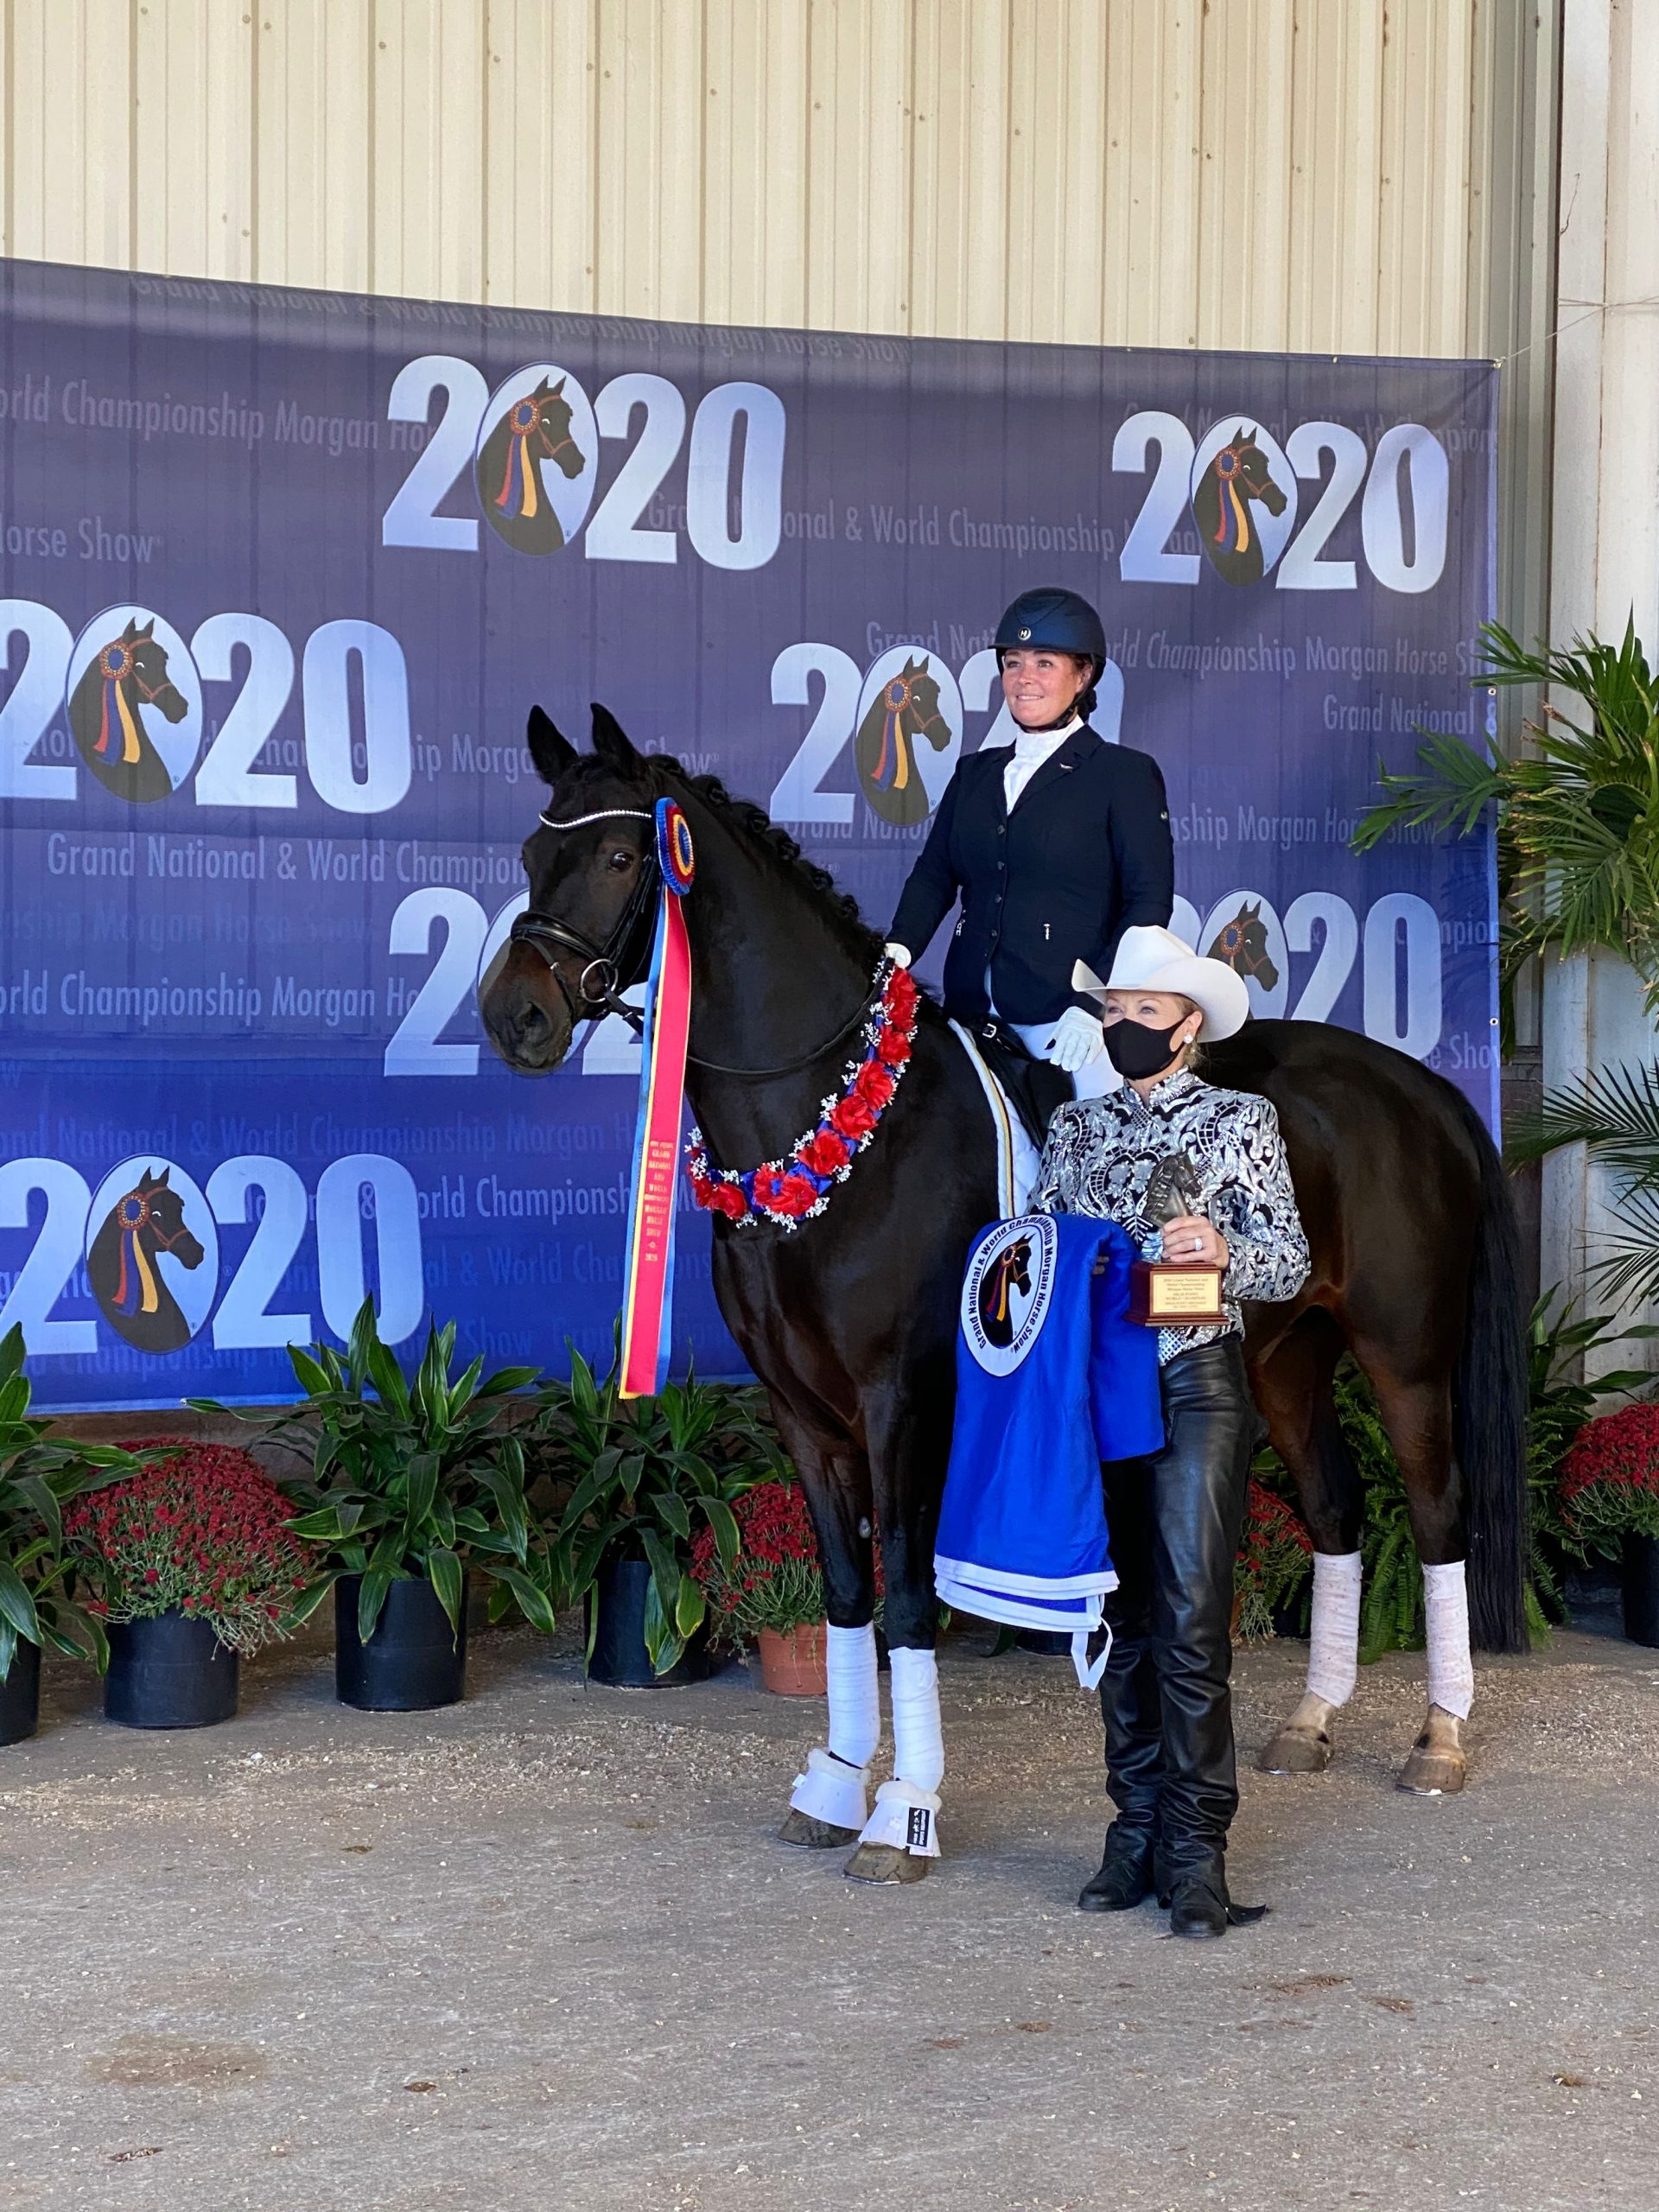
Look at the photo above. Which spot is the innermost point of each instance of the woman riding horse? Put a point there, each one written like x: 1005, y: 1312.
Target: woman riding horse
x: 1055, y: 849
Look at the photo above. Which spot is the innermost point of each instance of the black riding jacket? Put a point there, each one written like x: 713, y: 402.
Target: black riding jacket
x: 1086, y: 854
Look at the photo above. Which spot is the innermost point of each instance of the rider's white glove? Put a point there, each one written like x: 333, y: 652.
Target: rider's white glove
x: 1076, y: 1040
x: 898, y: 954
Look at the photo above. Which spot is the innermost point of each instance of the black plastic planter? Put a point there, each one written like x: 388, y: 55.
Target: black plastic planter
x: 170, y: 1672
x: 620, y: 1659
x: 19, y: 1695
x: 1641, y: 1590
x: 413, y: 1662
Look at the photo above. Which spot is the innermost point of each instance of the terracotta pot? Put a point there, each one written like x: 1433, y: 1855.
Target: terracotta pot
x: 791, y: 1664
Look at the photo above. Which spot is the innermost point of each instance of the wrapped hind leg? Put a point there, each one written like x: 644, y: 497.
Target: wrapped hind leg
x: 1303, y: 1744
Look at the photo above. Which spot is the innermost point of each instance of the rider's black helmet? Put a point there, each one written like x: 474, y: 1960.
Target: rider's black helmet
x: 1058, y: 621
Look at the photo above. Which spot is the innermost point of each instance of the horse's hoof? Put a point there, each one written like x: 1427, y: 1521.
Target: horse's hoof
x: 1433, y: 1770
x: 813, y: 1835
x: 885, y: 1863
x: 1296, y: 1751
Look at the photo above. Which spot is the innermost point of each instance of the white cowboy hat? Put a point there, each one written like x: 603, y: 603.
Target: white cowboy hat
x: 1156, y: 960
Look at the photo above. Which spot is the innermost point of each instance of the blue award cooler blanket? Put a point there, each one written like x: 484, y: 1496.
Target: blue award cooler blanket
x: 1051, y: 1378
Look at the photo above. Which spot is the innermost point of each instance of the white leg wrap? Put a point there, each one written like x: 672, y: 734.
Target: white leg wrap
x: 835, y: 1786
x: 830, y: 1790
x: 906, y: 1808
x: 1333, y: 1644
x: 918, y: 1739
x: 855, y: 1698
x: 1451, y: 1670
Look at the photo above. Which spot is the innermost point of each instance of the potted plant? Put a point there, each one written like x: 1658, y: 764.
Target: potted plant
x: 1610, y: 1504
x: 38, y: 1478
x: 195, y: 1564
x: 1274, y: 1566
x: 772, y: 1594
x: 413, y: 1482
x: 643, y: 1476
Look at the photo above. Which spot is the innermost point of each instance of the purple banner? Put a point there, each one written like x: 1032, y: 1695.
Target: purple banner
x: 282, y: 572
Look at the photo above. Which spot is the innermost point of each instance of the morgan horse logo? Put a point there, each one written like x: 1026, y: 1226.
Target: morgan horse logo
x: 122, y: 1266
x: 510, y: 487
x: 106, y: 714
x: 1009, y: 1272
x: 1222, y: 498
x: 906, y: 708
x: 1242, y: 943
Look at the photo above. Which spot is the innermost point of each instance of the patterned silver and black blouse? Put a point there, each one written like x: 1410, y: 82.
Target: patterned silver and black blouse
x: 1100, y: 1156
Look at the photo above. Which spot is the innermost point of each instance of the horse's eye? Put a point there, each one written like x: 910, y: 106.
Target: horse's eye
x: 619, y: 860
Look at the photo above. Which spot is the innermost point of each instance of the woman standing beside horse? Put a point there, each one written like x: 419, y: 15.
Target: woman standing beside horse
x: 1176, y: 1518
x: 1055, y: 849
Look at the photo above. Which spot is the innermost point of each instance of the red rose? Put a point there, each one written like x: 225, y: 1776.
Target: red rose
x: 790, y: 1195
x: 873, y: 1085
x: 853, y: 1117
x: 893, y: 1049
x: 900, y: 997
x: 726, y: 1198
x: 824, y: 1152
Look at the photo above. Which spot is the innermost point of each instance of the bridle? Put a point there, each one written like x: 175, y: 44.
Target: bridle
x: 130, y: 673
x: 599, y: 987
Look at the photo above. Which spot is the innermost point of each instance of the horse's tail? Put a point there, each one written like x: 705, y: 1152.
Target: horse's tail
x: 1492, y: 1412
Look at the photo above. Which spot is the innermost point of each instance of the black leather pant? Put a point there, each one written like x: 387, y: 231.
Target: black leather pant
x: 1175, y: 1521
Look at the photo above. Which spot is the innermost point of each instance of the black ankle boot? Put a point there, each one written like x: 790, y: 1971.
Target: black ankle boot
x: 1199, y: 1907
x: 1125, y: 1876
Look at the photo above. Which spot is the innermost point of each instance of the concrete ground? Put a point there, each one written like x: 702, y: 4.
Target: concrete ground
x: 541, y: 1951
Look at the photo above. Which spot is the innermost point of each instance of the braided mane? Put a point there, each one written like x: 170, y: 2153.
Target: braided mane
x: 756, y: 826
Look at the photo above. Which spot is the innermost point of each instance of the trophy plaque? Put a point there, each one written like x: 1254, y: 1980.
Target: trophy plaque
x: 1173, y: 1293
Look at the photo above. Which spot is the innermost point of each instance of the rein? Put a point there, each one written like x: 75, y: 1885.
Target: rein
x: 545, y: 934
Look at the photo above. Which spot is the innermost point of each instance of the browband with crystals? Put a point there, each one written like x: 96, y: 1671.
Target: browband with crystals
x: 605, y: 813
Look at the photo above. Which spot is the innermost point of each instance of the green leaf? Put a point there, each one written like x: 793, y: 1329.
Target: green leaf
x: 533, y: 1602
x: 672, y: 1511
x: 16, y: 1605
x: 307, y: 1601
x: 444, y: 1571
x: 312, y: 1379
x: 721, y: 1519
x: 371, y: 1597
x: 689, y: 1608
x: 422, y: 1488
x: 388, y: 1378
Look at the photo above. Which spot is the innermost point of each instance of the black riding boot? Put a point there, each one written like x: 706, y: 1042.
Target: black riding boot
x: 1175, y: 1521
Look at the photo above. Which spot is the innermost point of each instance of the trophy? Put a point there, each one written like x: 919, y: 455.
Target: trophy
x: 1173, y: 1293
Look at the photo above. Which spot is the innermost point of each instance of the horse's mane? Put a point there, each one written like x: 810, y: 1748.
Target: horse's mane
x: 753, y: 822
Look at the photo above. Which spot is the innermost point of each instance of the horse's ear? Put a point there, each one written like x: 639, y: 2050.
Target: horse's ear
x: 148, y: 630
x: 909, y: 664
x: 1253, y: 913
x: 557, y: 389
x: 130, y: 632
x: 161, y: 1182
x: 612, y: 744
x: 552, y: 751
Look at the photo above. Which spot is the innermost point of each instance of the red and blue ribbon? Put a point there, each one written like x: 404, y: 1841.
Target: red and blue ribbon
x: 648, y: 1296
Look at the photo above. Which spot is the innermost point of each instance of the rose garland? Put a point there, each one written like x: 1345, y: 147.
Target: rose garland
x: 795, y: 1187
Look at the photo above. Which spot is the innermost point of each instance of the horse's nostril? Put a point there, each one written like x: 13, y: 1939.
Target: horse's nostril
x: 532, y: 1022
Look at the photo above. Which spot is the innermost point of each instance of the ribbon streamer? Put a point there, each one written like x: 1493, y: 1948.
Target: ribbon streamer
x: 647, y: 1303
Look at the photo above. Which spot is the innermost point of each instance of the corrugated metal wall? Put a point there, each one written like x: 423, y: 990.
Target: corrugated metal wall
x: 1303, y: 173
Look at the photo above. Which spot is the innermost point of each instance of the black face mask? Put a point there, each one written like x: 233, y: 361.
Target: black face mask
x: 1137, y: 1051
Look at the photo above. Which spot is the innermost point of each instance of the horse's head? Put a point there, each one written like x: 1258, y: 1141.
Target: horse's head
x: 589, y: 863
x: 552, y: 424
x: 136, y: 657
x: 1242, y: 943
x: 152, y: 1213
x: 1245, y: 462
x: 925, y: 718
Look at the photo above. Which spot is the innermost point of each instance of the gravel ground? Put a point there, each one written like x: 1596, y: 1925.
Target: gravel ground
x: 541, y: 1951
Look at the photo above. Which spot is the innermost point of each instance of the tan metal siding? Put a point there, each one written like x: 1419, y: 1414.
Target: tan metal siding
x: 1302, y: 174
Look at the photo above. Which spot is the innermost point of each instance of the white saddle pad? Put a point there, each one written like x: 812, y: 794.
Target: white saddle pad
x: 1017, y: 1158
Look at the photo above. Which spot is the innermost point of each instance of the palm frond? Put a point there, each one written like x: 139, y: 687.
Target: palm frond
x: 1614, y: 1110
x: 1630, y: 1271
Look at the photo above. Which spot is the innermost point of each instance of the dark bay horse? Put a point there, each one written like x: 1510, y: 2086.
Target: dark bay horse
x: 906, y: 708
x: 850, y: 1319
x: 511, y: 487
x: 122, y: 1268
x: 1229, y: 534
x: 126, y: 674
